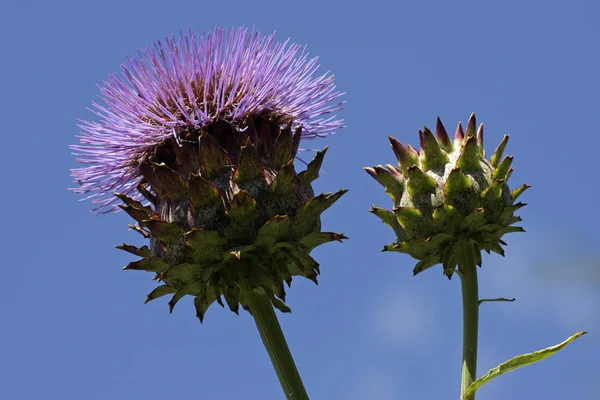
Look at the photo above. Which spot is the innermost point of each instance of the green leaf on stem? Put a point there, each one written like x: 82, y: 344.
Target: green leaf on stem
x: 518, y: 362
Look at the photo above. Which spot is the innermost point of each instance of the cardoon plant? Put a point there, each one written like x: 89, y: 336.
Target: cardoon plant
x: 449, y: 203
x: 197, y: 140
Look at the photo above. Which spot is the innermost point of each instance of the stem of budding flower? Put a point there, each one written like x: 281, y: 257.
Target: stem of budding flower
x: 470, y: 298
x: 274, y: 341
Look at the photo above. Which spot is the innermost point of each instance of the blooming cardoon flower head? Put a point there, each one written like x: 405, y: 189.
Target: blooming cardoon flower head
x: 204, y: 130
x: 448, y: 194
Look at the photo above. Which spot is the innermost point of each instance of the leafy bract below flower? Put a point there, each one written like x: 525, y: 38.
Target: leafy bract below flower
x: 446, y: 194
x: 206, y: 129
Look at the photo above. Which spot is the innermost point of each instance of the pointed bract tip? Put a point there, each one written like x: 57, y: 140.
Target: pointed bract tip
x: 480, y: 135
x: 459, y: 134
x: 440, y: 133
x: 370, y: 171
x: 421, y: 139
x: 412, y: 149
x: 471, y: 125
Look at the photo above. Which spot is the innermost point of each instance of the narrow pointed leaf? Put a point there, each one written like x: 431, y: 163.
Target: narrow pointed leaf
x: 518, y: 362
x: 159, y: 292
x: 432, y: 156
x: 407, y: 157
x: 143, y: 251
x: 389, y: 218
x: 312, y: 171
x: 469, y: 159
x: 495, y: 159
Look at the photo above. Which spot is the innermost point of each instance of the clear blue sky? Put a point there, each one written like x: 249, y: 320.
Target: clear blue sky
x: 74, y: 325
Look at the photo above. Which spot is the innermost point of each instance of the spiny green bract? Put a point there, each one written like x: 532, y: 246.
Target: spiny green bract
x: 448, y: 193
x: 230, y: 213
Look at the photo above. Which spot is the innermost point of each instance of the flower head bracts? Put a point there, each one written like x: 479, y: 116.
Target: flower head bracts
x: 448, y: 194
x: 188, y: 83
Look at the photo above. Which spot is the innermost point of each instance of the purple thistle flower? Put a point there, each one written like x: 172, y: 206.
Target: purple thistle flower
x: 188, y: 83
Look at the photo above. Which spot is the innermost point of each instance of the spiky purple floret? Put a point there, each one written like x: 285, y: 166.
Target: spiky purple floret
x: 189, y: 82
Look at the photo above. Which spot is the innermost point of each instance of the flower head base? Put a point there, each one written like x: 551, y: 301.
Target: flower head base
x: 176, y: 88
x: 448, y: 193
x: 207, y: 132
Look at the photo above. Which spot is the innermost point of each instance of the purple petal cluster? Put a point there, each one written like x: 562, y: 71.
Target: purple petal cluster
x: 188, y: 82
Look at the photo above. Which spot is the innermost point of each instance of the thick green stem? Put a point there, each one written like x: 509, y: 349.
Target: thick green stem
x: 274, y: 341
x: 470, y: 298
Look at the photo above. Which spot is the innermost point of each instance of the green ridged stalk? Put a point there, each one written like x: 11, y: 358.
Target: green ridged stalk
x: 276, y: 345
x: 470, y: 297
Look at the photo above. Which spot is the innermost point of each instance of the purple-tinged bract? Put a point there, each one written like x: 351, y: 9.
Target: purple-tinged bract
x: 448, y: 194
x: 187, y: 83
x: 206, y: 130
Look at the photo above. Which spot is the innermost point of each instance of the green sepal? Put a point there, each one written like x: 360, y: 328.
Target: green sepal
x: 432, y: 156
x: 413, y: 222
x: 469, y: 159
x: 508, y: 174
x: 202, y: 302
x: 315, y: 239
x: 477, y: 254
x: 389, y: 218
x: 449, y: 260
x: 164, y: 180
x: 280, y: 305
x: 428, y: 262
x: 491, y: 242
x: 249, y: 167
x: 139, y: 230
x: 312, y: 170
x: 182, y: 274
x: 300, y: 263
x: 164, y: 230
x: 459, y: 192
x: 406, y: 156
x: 282, y: 148
x: 446, y: 219
x: 390, y: 179
x: 501, y: 171
x: 243, y: 219
x: 159, y: 292
x: 137, y: 214
x: 274, y: 230
x: 191, y: 289
x: 133, y: 203
x: 421, y: 249
x: 517, y: 192
x: 213, y: 158
x: 153, y: 264
x: 508, y: 214
x: 143, y: 251
x: 203, y: 194
x: 474, y: 220
x: 495, y: 159
x: 419, y: 183
x: 492, y: 201
x: 283, y: 184
x: 207, y: 246
x: 232, y: 298
x: 307, y: 218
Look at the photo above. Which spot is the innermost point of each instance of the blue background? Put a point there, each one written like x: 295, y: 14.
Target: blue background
x: 74, y: 326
